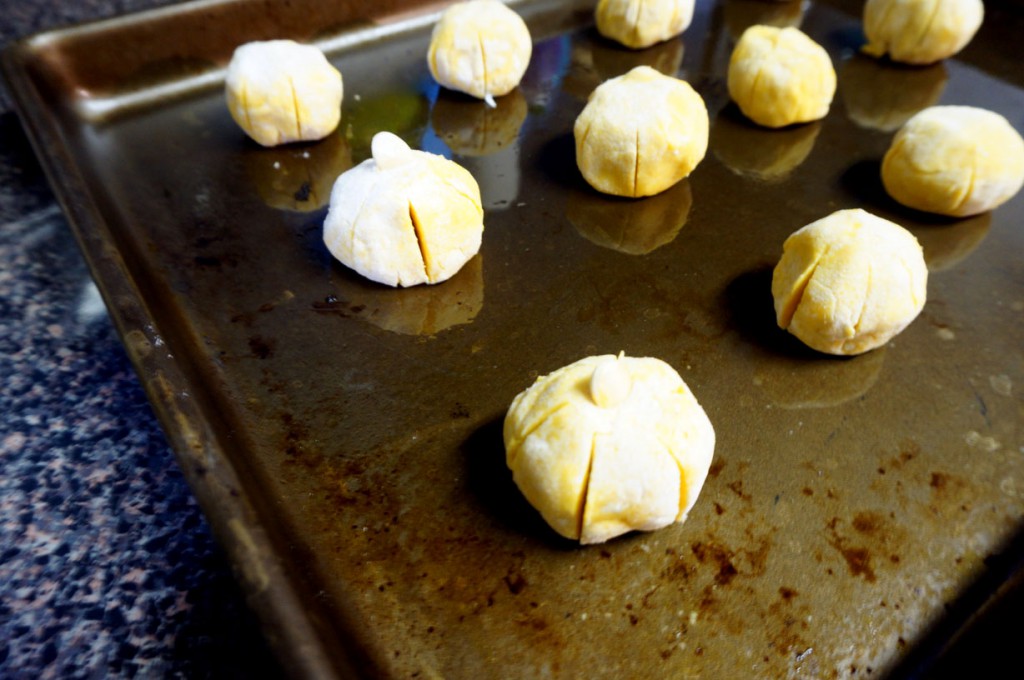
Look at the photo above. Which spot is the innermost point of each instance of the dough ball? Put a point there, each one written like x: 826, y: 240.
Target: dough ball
x: 404, y: 217
x: 640, y: 133
x: 279, y: 91
x: 954, y: 160
x: 920, y: 31
x: 849, y: 282
x: 779, y: 76
x: 642, y: 23
x: 480, y: 47
x: 607, y: 445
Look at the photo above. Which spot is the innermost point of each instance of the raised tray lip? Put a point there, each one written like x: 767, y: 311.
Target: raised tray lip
x: 287, y: 622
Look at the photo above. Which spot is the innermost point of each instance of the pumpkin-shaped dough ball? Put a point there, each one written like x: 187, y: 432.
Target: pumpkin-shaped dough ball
x: 279, y: 91
x: 404, y: 217
x: 640, y: 133
x: 954, y: 160
x: 779, y: 76
x: 849, y: 282
x: 608, y: 445
x: 642, y: 23
x: 920, y: 31
x: 480, y: 47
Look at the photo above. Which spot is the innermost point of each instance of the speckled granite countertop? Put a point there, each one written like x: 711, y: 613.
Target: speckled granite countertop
x: 107, y: 566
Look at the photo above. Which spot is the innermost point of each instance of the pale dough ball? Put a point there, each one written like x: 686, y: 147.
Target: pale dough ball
x: 779, y: 76
x: 640, y: 133
x: 642, y: 23
x: 404, y: 217
x: 480, y: 47
x: 849, y: 282
x: 279, y: 91
x: 607, y: 445
x: 954, y: 160
x: 920, y: 31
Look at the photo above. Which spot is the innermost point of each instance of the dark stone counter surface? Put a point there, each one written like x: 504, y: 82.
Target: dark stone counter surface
x: 107, y: 566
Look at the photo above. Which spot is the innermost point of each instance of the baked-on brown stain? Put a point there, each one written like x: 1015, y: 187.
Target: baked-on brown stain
x: 939, y: 481
x: 719, y: 556
x: 858, y: 558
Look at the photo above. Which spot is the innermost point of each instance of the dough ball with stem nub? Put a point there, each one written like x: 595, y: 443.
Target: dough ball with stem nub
x: 954, y: 160
x: 481, y: 48
x: 280, y: 91
x: 608, y: 445
x: 641, y: 23
x: 640, y: 133
x: 779, y: 76
x: 849, y: 282
x: 920, y: 31
x: 404, y: 217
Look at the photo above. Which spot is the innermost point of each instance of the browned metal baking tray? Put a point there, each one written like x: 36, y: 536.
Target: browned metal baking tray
x: 345, y: 439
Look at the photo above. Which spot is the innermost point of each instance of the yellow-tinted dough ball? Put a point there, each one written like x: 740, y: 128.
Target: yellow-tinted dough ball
x: 404, y: 217
x: 640, y: 133
x: 954, y: 160
x: 849, y: 282
x: 279, y: 91
x: 642, y: 23
x: 779, y: 76
x: 607, y: 445
x: 920, y: 31
x: 480, y: 47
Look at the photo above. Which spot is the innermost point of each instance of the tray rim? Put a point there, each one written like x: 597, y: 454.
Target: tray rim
x: 201, y: 453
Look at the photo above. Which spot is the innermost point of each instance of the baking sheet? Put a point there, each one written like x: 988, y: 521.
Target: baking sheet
x: 345, y: 439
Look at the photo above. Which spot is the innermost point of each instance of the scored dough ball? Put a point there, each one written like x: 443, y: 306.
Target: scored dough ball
x: 642, y: 23
x: 279, y: 91
x: 920, y: 31
x: 849, y: 282
x: 607, y: 445
x: 954, y: 160
x: 404, y: 217
x: 480, y: 47
x: 779, y: 76
x: 626, y: 149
